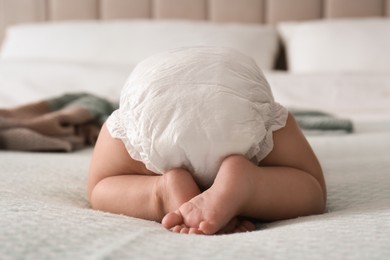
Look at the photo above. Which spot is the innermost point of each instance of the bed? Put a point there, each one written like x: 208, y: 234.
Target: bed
x: 92, y: 46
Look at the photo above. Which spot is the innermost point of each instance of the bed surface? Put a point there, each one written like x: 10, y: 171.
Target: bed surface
x: 44, y: 212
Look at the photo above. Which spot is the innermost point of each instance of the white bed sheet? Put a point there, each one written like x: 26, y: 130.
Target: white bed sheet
x: 28, y: 81
x: 44, y: 213
x: 362, y: 97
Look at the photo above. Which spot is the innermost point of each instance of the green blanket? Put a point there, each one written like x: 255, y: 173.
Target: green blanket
x: 319, y: 122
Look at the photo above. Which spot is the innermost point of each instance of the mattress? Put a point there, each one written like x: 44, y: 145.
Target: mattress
x: 45, y: 213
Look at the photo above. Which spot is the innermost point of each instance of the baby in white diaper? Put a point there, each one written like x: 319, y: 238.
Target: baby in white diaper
x: 199, y: 144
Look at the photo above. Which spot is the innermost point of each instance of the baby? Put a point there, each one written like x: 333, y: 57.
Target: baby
x: 200, y: 145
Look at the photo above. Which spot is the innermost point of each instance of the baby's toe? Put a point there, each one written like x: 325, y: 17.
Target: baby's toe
x: 195, y: 231
x: 184, y: 230
x: 176, y: 229
x: 207, y: 228
x: 249, y: 225
x: 172, y: 219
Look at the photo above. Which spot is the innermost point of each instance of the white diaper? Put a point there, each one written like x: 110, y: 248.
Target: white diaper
x: 192, y: 107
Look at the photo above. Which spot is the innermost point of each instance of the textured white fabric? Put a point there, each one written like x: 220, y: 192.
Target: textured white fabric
x: 131, y: 41
x: 362, y: 97
x: 23, y: 82
x: 337, y: 45
x: 44, y: 213
x: 192, y: 107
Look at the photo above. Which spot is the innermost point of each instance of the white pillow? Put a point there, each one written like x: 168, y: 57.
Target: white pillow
x: 337, y: 45
x: 132, y: 41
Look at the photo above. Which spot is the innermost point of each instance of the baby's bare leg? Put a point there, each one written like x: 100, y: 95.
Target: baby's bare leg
x: 288, y: 184
x: 216, y: 207
x: 119, y: 184
x: 236, y: 225
x: 142, y: 196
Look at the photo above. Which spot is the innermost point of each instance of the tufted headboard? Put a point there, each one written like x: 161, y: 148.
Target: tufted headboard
x: 247, y: 11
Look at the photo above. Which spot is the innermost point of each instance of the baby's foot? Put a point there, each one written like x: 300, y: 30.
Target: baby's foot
x: 212, y: 210
x: 206, y: 213
x: 174, y: 188
x: 237, y: 225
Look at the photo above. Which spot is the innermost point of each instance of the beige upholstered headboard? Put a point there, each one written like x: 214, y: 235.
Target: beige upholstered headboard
x: 248, y: 11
